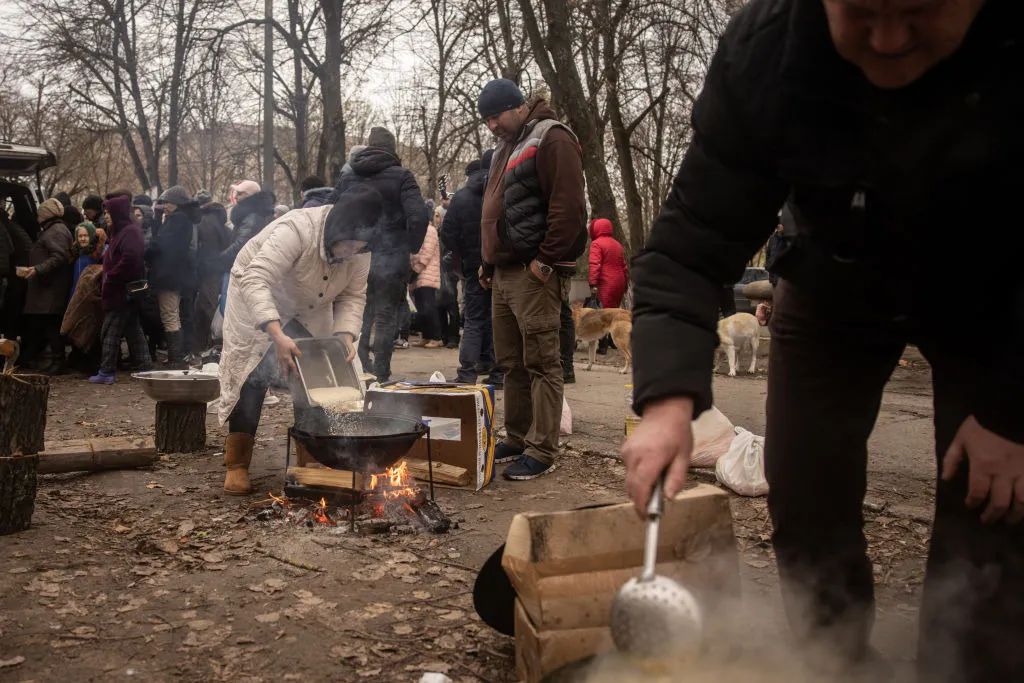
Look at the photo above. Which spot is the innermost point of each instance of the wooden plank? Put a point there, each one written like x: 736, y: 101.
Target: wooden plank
x: 324, y: 477
x: 93, y: 455
x: 443, y: 472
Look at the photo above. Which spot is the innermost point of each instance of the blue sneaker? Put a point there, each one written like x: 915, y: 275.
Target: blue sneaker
x: 527, y: 468
x: 102, y: 378
x: 505, y: 453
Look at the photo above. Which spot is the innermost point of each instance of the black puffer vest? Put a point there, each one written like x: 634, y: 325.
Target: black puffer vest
x: 526, y: 211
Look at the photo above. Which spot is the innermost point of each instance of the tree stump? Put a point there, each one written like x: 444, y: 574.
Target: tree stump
x: 180, y: 427
x: 23, y: 400
x: 17, y: 492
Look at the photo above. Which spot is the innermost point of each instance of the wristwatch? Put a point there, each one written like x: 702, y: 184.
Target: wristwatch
x: 545, y: 269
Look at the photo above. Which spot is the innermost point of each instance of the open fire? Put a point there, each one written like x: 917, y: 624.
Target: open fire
x: 391, y: 501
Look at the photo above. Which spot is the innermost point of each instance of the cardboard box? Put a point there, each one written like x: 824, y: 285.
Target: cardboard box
x: 470, y: 406
x: 567, y: 566
x: 539, y: 652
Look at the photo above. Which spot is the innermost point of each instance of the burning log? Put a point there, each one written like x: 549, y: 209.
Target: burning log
x: 180, y: 427
x: 432, y: 517
x: 374, y: 525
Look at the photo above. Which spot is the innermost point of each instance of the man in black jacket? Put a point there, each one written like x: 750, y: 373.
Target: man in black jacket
x: 889, y: 128
x: 214, y: 238
x: 253, y: 211
x: 403, y: 226
x: 460, y: 233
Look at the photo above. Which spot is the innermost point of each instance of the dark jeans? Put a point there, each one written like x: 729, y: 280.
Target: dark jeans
x: 827, y: 370
x: 448, y: 309
x: 384, y: 293
x: 425, y: 299
x: 477, y: 349
x: 187, y: 307
x: 43, y: 332
x: 404, y: 319
x: 245, y: 417
x: 122, y: 322
x: 566, y: 339
x: 206, y: 306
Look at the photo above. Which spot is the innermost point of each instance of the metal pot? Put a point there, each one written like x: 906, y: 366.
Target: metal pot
x: 179, y: 386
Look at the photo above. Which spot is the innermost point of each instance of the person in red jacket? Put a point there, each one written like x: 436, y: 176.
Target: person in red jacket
x: 609, y: 274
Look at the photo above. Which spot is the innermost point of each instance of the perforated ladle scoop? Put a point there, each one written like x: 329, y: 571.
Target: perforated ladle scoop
x: 654, y: 615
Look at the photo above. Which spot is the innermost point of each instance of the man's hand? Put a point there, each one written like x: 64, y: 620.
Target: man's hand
x: 350, y: 345
x: 995, y: 471
x: 593, y: 290
x: 484, y: 279
x: 663, y: 439
x: 27, y: 273
x: 537, y: 272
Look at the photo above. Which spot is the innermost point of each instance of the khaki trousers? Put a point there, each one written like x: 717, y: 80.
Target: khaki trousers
x: 525, y: 315
x: 170, y: 314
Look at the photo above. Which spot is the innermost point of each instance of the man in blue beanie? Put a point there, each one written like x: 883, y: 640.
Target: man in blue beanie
x: 532, y: 230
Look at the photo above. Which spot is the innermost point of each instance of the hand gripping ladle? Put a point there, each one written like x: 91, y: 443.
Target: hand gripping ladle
x: 654, y: 615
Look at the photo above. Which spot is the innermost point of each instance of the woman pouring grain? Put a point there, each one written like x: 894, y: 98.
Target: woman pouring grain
x: 304, y: 275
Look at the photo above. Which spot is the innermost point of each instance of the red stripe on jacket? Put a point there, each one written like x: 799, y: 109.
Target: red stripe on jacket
x: 528, y: 153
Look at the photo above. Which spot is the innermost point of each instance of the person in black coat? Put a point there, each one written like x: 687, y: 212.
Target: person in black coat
x: 315, y: 192
x: 72, y: 216
x: 892, y: 135
x: 403, y: 227
x: 214, y: 238
x: 172, y: 268
x: 49, y: 284
x: 253, y: 212
x: 460, y: 233
x: 15, y: 246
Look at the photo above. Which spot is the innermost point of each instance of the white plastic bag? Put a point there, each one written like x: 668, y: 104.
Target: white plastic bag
x: 712, y: 435
x: 742, y: 467
x: 437, y: 377
x: 217, y: 325
x: 565, y: 427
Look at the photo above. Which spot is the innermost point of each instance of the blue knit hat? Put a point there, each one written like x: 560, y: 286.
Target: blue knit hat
x: 498, y: 96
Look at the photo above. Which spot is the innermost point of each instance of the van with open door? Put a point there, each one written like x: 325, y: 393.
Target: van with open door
x: 20, y: 182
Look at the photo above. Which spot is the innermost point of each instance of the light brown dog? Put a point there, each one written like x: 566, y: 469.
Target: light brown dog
x: 735, y: 332
x: 594, y: 323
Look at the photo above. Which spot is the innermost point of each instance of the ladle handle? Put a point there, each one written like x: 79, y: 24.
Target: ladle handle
x: 654, y: 509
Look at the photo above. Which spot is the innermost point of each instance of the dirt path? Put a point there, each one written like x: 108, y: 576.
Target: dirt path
x: 154, y: 573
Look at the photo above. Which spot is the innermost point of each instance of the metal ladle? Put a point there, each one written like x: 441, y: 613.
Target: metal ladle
x: 654, y: 615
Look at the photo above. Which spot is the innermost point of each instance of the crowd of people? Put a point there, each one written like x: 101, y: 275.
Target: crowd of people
x: 122, y: 267
x: 125, y: 271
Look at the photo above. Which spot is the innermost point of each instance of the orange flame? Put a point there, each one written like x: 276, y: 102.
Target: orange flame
x: 396, y: 482
x: 320, y: 514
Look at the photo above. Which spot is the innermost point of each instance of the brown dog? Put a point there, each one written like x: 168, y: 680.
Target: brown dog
x: 594, y: 323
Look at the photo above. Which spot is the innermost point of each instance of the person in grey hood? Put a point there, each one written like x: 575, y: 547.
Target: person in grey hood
x: 314, y: 192
x: 400, y: 234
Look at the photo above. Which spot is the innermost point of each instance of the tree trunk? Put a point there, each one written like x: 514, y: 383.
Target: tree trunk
x: 180, y: 427
x: 23, y: 400
x: 300, y: 104
x: 17, y: 492
x: 557, y: 63
x: 332, y: 142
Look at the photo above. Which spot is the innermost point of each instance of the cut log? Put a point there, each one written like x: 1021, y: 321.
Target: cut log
x: 94, y: 455
x: 17, y: 492
x: 453, y: 475
x: 323, y: 477
x: 23, y: 400
x: 180, y: 427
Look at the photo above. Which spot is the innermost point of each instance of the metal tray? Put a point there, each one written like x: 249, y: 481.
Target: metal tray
x: 322, y: 365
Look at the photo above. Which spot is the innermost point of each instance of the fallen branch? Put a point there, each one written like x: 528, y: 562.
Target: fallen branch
x: 295, y: 563
x: 454, y: 565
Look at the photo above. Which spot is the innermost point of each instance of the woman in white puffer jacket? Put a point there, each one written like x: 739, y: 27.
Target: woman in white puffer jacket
x: 304, y: 275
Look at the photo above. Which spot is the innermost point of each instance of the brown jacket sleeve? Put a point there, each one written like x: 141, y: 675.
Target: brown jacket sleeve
x: 560, y: 173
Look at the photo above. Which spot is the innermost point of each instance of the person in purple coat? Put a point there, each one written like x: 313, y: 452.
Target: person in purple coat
x: 123, y: 263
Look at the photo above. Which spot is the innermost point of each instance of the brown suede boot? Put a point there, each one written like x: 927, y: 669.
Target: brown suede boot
x: 237, y: 455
